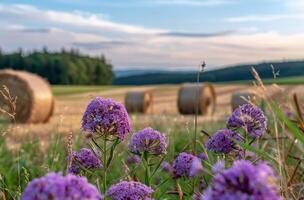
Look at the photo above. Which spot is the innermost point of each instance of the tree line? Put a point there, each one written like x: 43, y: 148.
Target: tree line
x: 61, y: 67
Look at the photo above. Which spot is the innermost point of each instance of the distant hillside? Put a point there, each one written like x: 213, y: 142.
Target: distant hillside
x: 234, y: 73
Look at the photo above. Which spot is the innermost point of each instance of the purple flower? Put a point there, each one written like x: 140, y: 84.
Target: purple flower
x: 221, y: 141
x: 105, y: 116
x: 244, y: 181
x: 186, y: 165
x: 250, y: 118
x: 85, y: 158
x: 218, y: 167
x: 130, y: 190
x: 56, y: 186
x: 202, y: 156
x: 166, y: 167
x: 148, y: 140
x: 133, y: 159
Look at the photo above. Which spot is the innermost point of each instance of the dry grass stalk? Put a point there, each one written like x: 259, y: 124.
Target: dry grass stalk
x: 9, y: 102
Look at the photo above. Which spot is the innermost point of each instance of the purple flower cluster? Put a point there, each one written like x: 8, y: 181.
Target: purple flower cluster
x: 85, y: 158
x: 55, y: 186
x: 148, y: 140
x: 221, y: 141
x: 250, y: 118
x: 130, y: 190
x: 244, y: 181
x: 106, y: 116
x: 186, y: 165
x: 133, y: 159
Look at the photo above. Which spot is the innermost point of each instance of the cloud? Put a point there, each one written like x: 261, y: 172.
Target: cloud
x: 153, y: 3
x: 265, y: 18
x: 102, y: 44
x: 86, y: 22
x: 190, y: 2
x: 295, y: 5
x: 197, y: 35
x: 20, y: 12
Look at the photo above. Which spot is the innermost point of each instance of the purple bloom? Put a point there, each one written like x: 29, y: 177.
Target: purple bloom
x: 244, y: 181
x: 202, y: 156
x: 130, y: 190
x: 218, y: 167
x: 85, y: 158
x: 148, y: 140
x: 221, y: 141
x: 186, y: 165
x: 105, y: 116
x: 250, y: 118
x: 166, y: 167
x: 56, y: 186
x: 133, y: 159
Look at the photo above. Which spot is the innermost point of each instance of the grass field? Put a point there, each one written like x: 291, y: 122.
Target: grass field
x: 60, y: 90
x: 29, y: 151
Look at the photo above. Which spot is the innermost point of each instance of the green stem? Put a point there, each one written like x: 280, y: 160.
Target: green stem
x: 196, y: 113
x: 112, y: 149
x: 147, y: 169
x: 105, y: 164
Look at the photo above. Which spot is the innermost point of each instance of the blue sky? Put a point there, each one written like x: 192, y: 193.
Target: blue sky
x: 159, y: 34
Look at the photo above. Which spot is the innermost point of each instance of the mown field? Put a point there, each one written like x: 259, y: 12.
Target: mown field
x: 29, y: 151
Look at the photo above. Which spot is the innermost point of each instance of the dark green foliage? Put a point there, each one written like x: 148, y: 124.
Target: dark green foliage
x: 236, y: 73
x: 61, y: 67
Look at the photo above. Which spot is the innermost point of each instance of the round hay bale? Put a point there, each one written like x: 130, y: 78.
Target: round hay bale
x: 35, y: 101
x: 193, y: 96
x: 139, y: 102
x: 243, y: 97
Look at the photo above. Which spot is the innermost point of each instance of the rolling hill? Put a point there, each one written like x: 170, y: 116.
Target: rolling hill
x: 233, y: 73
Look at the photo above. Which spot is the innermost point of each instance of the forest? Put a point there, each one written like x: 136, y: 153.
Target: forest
x: 62, y: 67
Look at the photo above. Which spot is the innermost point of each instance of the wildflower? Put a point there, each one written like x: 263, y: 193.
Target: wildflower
x: 148, y: 140
x: 202, y: 156
x: 244, y: 181
x: 166, y: 167
x: 85, y: 158
x: 106, y: 117
x: 250, y: 118
x: 221, y: 141
x: 133, y: 159
x: 186, y: 165
x: 218, y: 167
x: 56, y: 186
x: 130, y: 190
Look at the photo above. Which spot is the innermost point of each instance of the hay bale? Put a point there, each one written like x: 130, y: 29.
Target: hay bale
x: 242, y: 97
x: 193, y: 96
x: 35, y: 101
x: 139, y: 102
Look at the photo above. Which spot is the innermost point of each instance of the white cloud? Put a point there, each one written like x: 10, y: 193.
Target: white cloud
x: 190, y: 2
x: 152, y: 3
x: 17, y: 12
x: 295, y: 5
x: 265, y: 18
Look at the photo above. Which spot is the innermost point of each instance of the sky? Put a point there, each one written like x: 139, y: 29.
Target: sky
x: 158, y: 34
